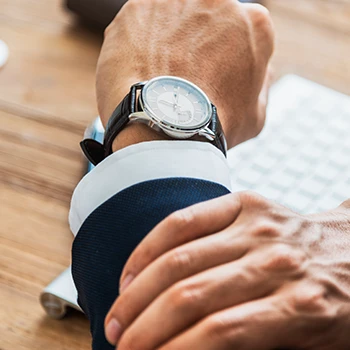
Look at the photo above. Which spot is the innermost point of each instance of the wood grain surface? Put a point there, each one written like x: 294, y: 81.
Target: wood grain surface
x: 47, y: 98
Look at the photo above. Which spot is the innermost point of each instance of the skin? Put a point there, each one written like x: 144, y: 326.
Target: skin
x: 238, y: 272
x: 222, y: 46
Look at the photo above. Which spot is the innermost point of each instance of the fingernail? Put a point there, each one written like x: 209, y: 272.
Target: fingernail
x: 127, y: 280
x: 113, y: 331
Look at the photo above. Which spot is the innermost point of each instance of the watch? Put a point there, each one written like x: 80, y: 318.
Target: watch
x: 171, y: 105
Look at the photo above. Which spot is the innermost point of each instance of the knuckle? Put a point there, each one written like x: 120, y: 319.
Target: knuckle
x: 260, y: 15
x: 234, y: 199
x: 178, y: 260
x: 185, y: 296
x: 227, y: 331
x: 312, y: 301
x: 282, y: 257
x: 262, y: 24
x: 266, y: 229
x: 216, y: 327
x: 250, y: 198
x: 182, y: 218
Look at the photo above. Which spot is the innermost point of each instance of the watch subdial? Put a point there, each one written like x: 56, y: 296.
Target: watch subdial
x: 185, y: 117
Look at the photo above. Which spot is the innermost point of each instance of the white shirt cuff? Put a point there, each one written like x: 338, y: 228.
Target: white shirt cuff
x: 143, y: 162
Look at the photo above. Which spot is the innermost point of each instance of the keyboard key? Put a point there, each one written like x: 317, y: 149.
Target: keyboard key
x: 312, y: 152
x: 326, y: 172
x: 298, y: 165
x: 339, y: 158
x: 248, y: 146
x: 312, y: 186
x: 283, y: 180
x: 271, y: 192
x: 324, y: 107
x: 296, y: 201
x: 327, y: 202
x: 249, y: 177
x: 279, y: 149
x: 236, y: 187
x: 294, y: 135
x: 341, y: 191
x: 338, y: 125
x: 308, y: 121
x: 234, y: 160
x: 326, y: 137
x: 264, y: 162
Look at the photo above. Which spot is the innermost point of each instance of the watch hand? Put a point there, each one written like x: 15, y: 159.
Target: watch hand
x: 167, y: 103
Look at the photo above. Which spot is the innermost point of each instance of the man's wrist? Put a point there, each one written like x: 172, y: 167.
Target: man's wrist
x: 136, y: 133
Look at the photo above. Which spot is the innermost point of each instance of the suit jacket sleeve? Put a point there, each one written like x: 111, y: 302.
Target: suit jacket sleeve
x: 111, y: 232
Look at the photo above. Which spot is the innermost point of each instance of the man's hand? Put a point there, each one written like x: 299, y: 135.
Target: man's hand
x: 237, y: 272
x: 221, y: 45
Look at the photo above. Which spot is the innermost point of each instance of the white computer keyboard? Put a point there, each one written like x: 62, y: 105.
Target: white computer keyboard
x: 302, y: 157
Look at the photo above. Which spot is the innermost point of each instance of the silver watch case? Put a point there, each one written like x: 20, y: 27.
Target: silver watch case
x: 146, y: 116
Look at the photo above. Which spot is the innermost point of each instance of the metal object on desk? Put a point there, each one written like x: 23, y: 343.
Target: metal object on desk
x: 4, y: 53
x: 99, y: 13
x: 60, y: 295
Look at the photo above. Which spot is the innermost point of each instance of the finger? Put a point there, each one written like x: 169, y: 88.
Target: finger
x: 260, y: 325
x: 179, y: 228
x: 174, y: 266
x: 190, y: 300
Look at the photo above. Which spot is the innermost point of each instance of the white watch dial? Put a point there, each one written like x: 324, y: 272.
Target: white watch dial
x: 176, y: 102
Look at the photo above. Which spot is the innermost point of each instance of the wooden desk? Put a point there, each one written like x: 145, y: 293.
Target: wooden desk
x: 47, y: 99
x: 313, y: 40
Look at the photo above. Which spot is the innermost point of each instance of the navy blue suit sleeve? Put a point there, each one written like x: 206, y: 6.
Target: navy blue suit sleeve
x: 110, y: 234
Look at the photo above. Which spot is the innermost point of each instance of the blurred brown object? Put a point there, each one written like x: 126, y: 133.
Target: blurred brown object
x: 99, y: 13
x: 47, y: 98
x: 313, y: 40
